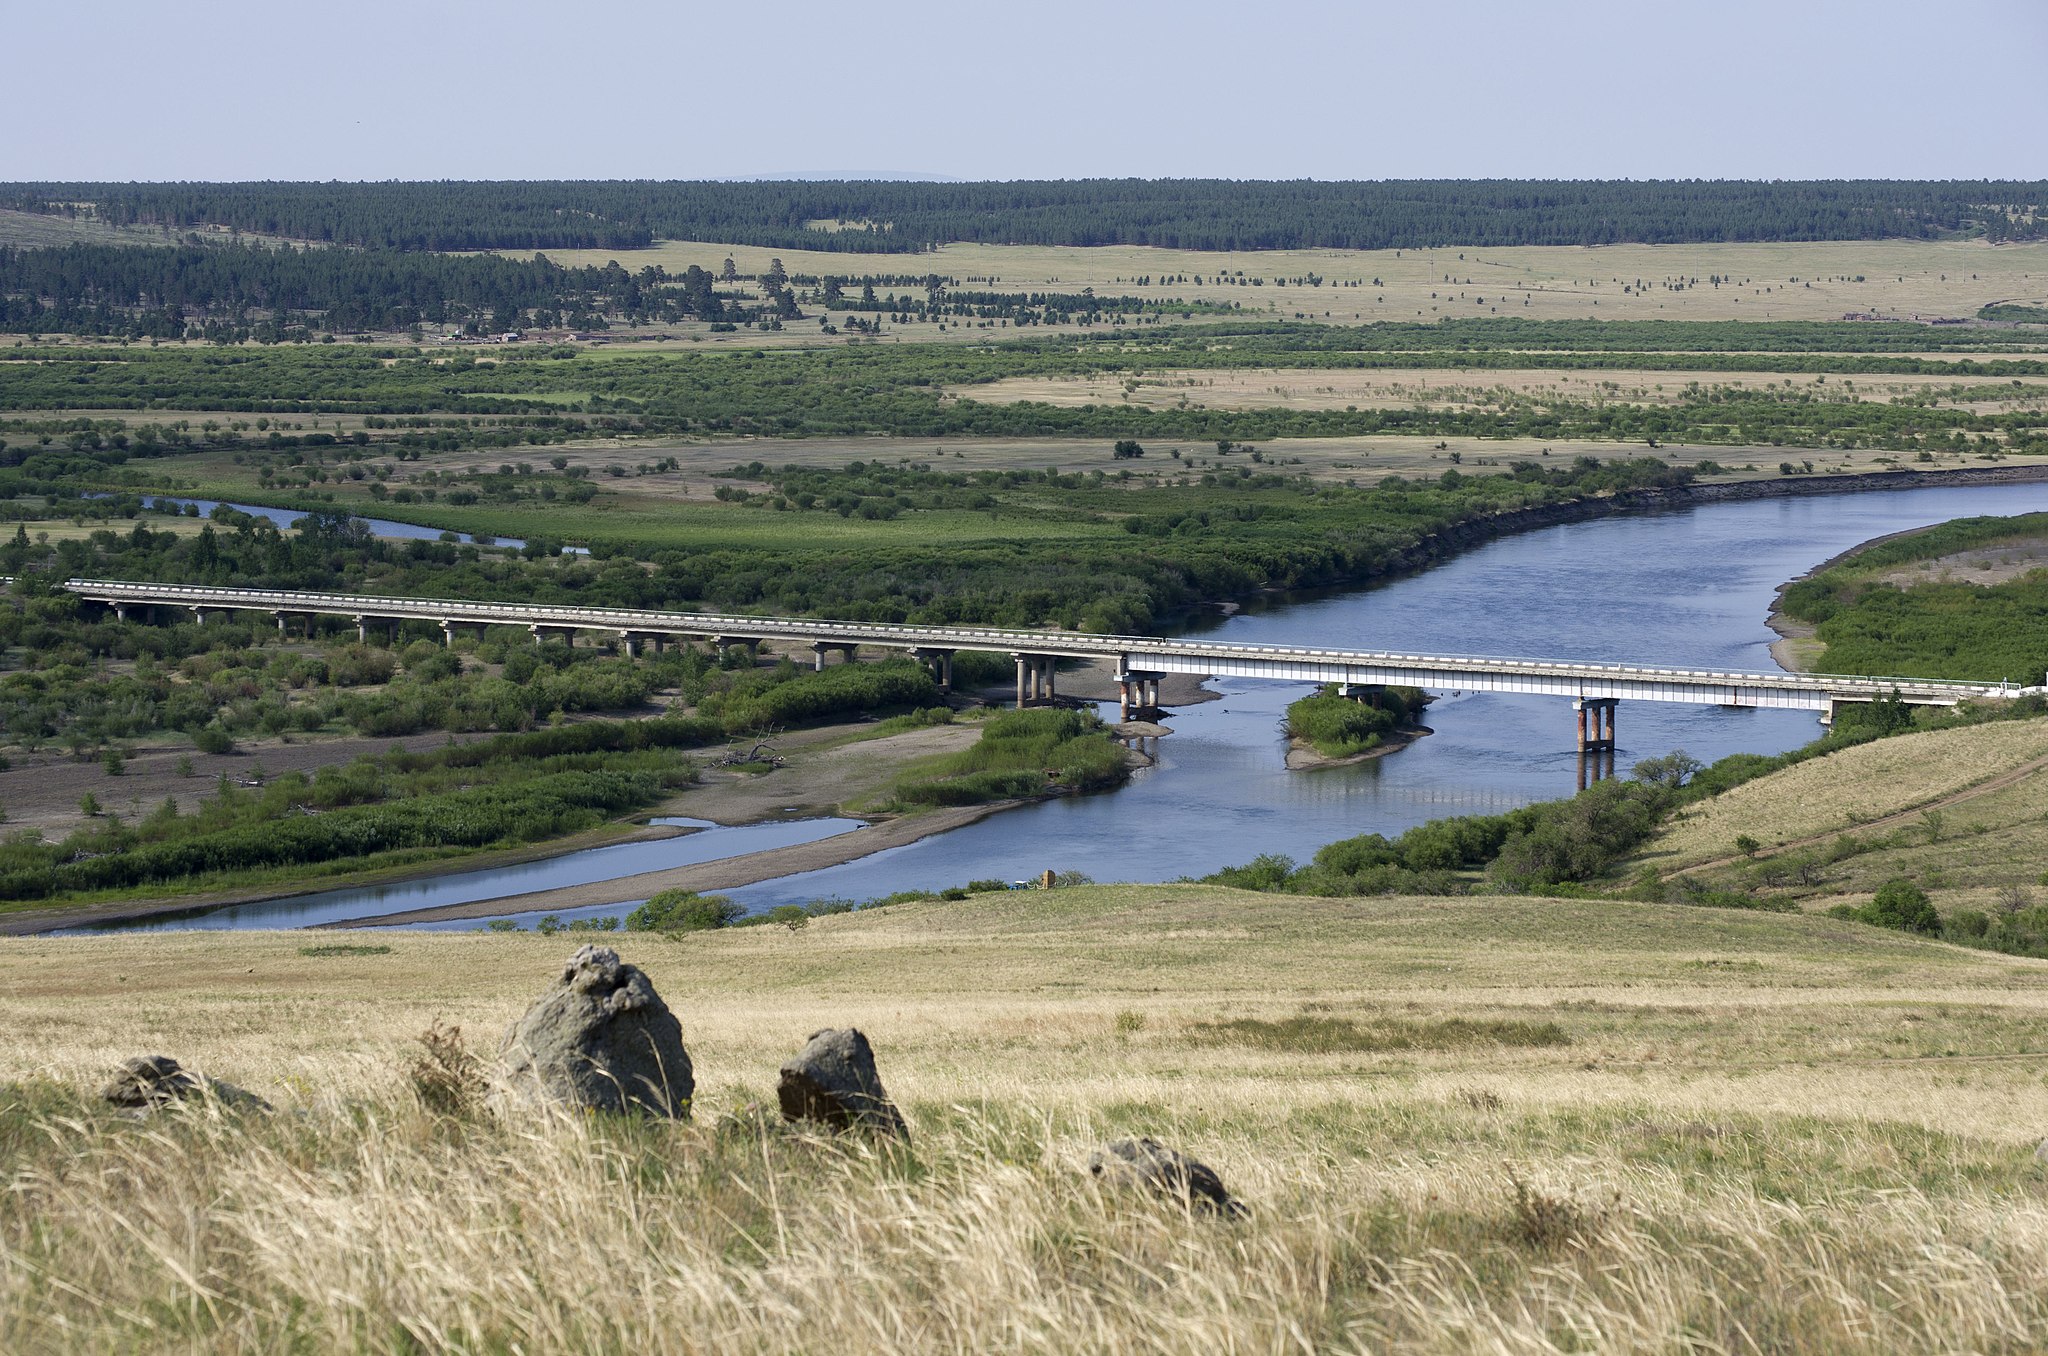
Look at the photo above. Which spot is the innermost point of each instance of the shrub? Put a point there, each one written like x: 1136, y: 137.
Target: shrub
x: 213, y: 739
x: 683, y: 911
x: 1903, y: 905
x: 446, y: 1077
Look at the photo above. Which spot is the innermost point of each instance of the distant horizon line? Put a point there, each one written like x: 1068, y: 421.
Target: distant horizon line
x: 922, y: 177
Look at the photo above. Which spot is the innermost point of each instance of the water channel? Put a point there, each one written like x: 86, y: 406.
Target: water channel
x: 285, y: 519
x: 1686, y: 587
x: 709, y: 842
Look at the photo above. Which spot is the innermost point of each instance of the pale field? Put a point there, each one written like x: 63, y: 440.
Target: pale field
x: 1907, y: 279
x: 68, y: 529
x: 1394, y: 388
x: 1978, y: 565
x: 702, y: 464
x: 1746, y: 1132
x: 37, y: 230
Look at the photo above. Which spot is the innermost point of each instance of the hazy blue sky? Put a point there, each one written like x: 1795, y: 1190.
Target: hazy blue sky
x: 415, y: 89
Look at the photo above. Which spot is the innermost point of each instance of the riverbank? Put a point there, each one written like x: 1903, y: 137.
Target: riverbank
x: 1303, y: 756
x: 1798, y: 649
x: 727, y: 874
x: 839, y: 764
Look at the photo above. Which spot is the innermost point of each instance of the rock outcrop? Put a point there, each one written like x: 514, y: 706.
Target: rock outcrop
x: 833, y: 1081
x: 152, y: 1082
x: 1147, y: 1164
x: 601, y: 1039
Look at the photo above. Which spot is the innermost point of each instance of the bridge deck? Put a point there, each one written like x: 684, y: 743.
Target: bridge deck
x: 1553, y: 677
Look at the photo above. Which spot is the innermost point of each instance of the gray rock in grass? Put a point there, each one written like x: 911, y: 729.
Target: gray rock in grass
x: 833, y: 1081
x: 149, y: 1083
x: 599, y: 1039
x: 1147, y: 1164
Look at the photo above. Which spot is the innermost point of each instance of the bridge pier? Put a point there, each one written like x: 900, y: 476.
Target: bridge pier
x: 1600, y: 735
x: 751, y: 644
x: 1035, y: 681
x: 1137, y: 695
x: 940, y: 662
x: 849, y: 654
x: 199, y: 616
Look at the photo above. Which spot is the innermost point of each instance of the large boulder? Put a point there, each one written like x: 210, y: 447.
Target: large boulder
x: 601, y: 1038
x: 1147, y: 1164
x: 833, y: 1081
x: 149, y: 1083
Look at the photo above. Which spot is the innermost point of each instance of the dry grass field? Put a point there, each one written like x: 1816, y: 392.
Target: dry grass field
x: 1473, y: 1125
x: 1803, y: 281
x: 1393, y: 388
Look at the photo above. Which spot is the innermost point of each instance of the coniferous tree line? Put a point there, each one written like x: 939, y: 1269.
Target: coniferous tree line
x: 163, y: 292
x: 1207, y: 214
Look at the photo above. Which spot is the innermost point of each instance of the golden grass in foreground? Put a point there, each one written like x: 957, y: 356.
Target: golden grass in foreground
x: 1761, y: 1133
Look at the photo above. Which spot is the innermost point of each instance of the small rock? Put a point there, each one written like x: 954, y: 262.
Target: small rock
x: 152, y: 1082
x: 601, y: 1038
x: 1149, y: 1164
x: 833, y: 1079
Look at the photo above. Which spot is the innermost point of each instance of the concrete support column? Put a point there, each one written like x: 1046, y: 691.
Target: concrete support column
x: 1123, y: 696
x: 818, y: 648
x: 1596, y: 722
x: 120, y: 612
x: 946, y: 671
x: 1023, y: 666
x: 448, y: 634
x: 1051, y: 669
x: 199, y: 616
x: 626, y: 644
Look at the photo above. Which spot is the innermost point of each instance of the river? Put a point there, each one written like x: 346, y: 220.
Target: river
x: 1687, y: 587
x: 284, y: 519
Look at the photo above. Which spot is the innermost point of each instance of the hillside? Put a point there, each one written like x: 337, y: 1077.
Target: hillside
x: 1462, y: 1125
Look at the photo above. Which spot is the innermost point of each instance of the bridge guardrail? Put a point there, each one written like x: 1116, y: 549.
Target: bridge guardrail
x: 1124, y: 649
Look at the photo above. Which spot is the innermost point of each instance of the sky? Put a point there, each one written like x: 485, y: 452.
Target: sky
x: 457, y: 89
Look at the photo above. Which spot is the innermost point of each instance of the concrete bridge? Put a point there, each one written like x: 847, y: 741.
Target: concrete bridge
x: 1140, y: 661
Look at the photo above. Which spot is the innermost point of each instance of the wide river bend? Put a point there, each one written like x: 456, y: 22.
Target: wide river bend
x: 1688, y: 587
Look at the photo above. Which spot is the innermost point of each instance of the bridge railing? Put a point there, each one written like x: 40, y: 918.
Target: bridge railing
x: 1128, y: 651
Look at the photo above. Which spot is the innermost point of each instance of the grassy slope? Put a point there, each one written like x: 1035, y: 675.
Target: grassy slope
x: 1812, y: 1133
x: 1983, y: 783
